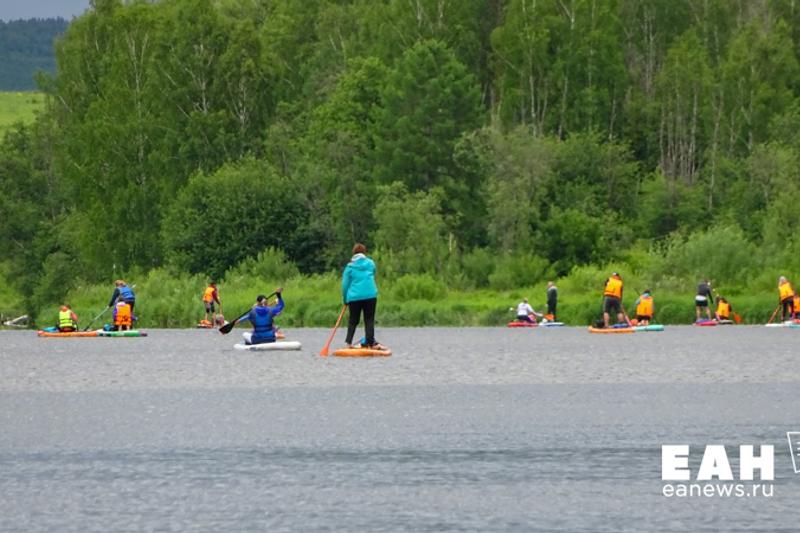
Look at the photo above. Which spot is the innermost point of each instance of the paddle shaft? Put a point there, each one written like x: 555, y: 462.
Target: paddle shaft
x: 226, y: 328
x: 775, y: 312
x: 95, y: 318
x: 326, y: 348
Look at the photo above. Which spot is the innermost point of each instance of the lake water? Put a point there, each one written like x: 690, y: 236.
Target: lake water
x: 488, y: 429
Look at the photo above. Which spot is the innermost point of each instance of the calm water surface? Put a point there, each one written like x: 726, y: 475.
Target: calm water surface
x: 461, y: 429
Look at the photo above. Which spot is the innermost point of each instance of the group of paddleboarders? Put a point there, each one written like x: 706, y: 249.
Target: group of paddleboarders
x: 359, y: 294
x: 122, y: 302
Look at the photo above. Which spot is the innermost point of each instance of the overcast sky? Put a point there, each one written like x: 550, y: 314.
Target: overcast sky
x: 27, y: 9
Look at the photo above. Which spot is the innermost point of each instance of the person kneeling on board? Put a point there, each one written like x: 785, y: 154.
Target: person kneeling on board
x: 261, y: 316
x: 123, y: 316
x: 525, y: 312
x: 612, y: 298
x: 644, y: 308
x: 67, y: 319
x: 724, y: 309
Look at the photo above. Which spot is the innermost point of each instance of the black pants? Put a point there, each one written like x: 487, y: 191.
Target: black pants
x: 356, y: 308
x: 551, y: 309
x: 787, y: 309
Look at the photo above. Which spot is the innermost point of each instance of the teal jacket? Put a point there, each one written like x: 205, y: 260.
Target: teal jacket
x: 358, y: 281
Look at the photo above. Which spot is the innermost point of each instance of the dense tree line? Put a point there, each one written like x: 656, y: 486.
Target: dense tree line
x: 449, y: 134
x: 26, y: 47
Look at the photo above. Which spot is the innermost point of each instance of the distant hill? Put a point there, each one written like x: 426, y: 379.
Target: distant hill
x: 26, y: 47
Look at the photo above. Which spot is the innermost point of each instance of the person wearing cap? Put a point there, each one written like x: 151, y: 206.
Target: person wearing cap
x: 360, y: 294
x: 703, y: 299
x: 121, y: 290
x: 525, y: 312
x: 261, y: 317
x: 612, y: 298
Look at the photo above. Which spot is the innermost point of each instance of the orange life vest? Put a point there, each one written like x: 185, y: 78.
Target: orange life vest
x: 208, y: 295
x: 724, y: 310
x: 785, y: 290
x: 613, y: 287
x: 123, y: 316
x: 645, y: 307
x: 796, y: 304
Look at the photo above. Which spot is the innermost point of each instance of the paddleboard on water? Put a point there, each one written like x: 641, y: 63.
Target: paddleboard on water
x: 362, y: 352
x: 518, y: 324
x: 43, y: 333
x: 787, y: 324
x: 551, y: 324
x: 726, y: 322
x: 612, y: 329
x: 651, y: 327
x: 270, y: 346
x: 129, y: 333
x: 705, y: 323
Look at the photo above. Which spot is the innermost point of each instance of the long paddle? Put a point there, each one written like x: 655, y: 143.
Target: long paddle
x: 95, y: 318
x: 775, y: 312
x: 228, y: 326
x: 326, y: 348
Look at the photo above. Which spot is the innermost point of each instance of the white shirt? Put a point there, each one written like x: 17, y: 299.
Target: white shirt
x: 524, y: 309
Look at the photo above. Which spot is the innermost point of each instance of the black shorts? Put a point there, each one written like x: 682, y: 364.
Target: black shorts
x: 209, y: 307
x: 701, y: 303
x: 611, y: 304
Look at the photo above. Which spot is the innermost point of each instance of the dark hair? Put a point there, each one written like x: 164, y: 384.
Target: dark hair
x: 359, y: 249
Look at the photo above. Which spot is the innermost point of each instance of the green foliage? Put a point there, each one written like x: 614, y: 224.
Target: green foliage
x: 520, y: 270
x: 269, y: 264
x: 218, y: 220
x: 418, y: 287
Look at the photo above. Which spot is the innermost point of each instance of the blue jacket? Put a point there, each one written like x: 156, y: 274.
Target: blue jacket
x: 358, y: 281
x: 125, y: 292
x: 261, y: 318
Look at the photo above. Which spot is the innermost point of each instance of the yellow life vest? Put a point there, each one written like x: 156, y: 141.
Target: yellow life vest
x: 724, y: 310
x: 785, y: 290
x: 613, y: 287
x: 123, y: 317
x: 65, y: 318
x: 208, y: 295
x: 645, y: 307
x: 796, y: 304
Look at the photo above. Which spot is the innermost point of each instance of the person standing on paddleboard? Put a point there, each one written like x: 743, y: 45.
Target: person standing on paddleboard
x: 122, y: 291
x: 612, y: 298
x: 703, y: 299
x: 210, y: 296
x: 261, y: 316
x: 360, y: 294
x: 552, y: 301
x: 786, y: 297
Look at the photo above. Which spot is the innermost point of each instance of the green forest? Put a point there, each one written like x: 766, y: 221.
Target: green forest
x: 478, y: 147
x: 26, y: 48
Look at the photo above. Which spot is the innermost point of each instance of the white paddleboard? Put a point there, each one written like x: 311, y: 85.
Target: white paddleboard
x: 277, y: 345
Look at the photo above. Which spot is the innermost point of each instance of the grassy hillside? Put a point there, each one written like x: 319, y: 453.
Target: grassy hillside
x: 18, y: 107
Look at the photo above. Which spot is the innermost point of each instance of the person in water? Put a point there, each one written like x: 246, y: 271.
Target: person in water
x: 360, y: 294
x: 612, y: 299
x: 525, y: 312
x: 786, y: 299
x: 211, y: 296
x: 121, y: 290
x: 703, y: 299
x: 67, y: 319
x: 724, y: 309
x: 261, y: 316
x: 552, y: 301
x: 123, y: 315
x: 644, y: 308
